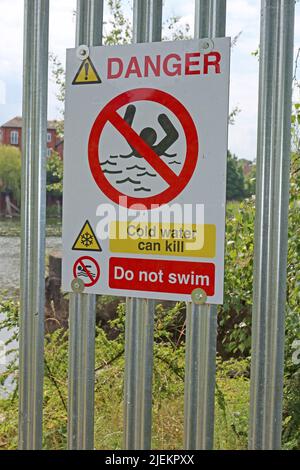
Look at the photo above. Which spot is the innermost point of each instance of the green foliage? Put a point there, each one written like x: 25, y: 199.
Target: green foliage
x: 291, y: 412
x: 10, y: 170
x: 235, y: 179
x: 233, y: 115
x: 175, y: 30
x: 168, y: 389
x: 9, y: 319
x: 54, y: 174
x: 232, y: 400
x: 235, y: 314
x: 119, y: 27
x: 59, y: 76
x: 12, y: 228
x: 250, y: 182
x: 291, y: 408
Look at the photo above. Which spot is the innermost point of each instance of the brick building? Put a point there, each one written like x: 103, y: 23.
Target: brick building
x: 11, y: 134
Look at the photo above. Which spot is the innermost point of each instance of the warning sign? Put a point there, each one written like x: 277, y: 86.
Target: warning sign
x: 87, y: 74
x: 161, y: 276
x: 86, y: 239
x: 115, y: 177
x: 163, y: 239
x: 145, y: 166
x: 87, y: 269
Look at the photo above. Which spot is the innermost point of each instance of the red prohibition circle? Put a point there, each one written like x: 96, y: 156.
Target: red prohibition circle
x: 109, y: 114
x: 80, y: 262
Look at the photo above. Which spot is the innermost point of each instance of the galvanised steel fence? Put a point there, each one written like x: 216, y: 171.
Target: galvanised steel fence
x: 272, y: 193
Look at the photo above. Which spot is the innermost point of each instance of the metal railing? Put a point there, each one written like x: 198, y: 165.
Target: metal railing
x: 33, y: 221
x: 201, y: 320
x: 277, y: 26
x: 82, y: 307
x: 147, y: 18
x: 271, y: 229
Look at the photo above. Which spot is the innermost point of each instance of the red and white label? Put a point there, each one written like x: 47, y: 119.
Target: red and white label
x: 87, y: 269
x: 170, y: 65
x: 176, y: 277
x: 175, y: 182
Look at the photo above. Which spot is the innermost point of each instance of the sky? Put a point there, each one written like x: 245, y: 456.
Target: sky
x: 243, y: 16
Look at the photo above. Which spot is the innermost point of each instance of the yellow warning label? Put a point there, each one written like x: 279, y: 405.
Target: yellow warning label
x: 87, y: 74
x: 186, y: 240
x: 86, y: 240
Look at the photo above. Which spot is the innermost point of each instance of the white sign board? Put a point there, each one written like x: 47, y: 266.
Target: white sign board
x: 145, y: 169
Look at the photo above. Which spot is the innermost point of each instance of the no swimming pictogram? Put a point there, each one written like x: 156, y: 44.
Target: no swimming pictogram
x: 144, y: 147
x: 87, y: 269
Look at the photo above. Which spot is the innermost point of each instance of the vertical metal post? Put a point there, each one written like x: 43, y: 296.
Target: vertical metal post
x: 210, y: 18
x: 33, y: 216
x: 81, y: 372
x: 147, y: 17
x: 272, y: 197
x: 138, y: 373
x: 82, y: 308
x: 201, y: 323
x: 89, y: 22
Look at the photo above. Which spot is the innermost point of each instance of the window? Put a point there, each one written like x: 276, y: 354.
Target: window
x: 49, y: 152
x: 14, y: 137
x: 49, y: 137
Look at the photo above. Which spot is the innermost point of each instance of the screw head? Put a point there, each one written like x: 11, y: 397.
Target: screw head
x: 82, y: 52
x: 199, y: 296
x: 206, y: 46
x: 77, y: 286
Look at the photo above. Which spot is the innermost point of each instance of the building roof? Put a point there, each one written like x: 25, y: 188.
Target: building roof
x: 17, y: 122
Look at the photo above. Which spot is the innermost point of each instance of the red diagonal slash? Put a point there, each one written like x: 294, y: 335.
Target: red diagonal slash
x: 137, y: 142
x: 86, y: 270
x: 176, y: 183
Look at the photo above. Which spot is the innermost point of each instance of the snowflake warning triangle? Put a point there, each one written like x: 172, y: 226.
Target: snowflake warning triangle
x: 86, y: 240
x: 87, y: 74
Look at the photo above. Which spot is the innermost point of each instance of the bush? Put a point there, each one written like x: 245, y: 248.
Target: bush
x: 235, y: 190
x: 168, y: 391
x: 10, y: 171
x: 54, y: 175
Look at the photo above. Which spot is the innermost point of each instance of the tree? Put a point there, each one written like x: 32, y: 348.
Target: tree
x: 235, y: 179
x: 119, y: 27
x: 54, y: 175
x: 250, y: 182
x: 10, y: 171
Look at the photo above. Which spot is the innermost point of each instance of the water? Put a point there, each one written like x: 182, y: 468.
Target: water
x: 10, y: 262
x: 10, y: 280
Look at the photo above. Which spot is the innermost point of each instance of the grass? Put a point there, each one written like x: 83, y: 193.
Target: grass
x: 12, y: 227
x: 168, y: 417
x: 232, y: 402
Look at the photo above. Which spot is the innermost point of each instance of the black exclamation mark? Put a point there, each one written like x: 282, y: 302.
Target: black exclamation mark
x: 86, y: 67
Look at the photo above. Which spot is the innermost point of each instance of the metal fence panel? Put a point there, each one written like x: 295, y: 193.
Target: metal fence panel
x: 272, y: 199
x: 147, y: 18
x: 272, y: 194
x: 201, y: 322
x: 82, y: 308
x: 33, y: 216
